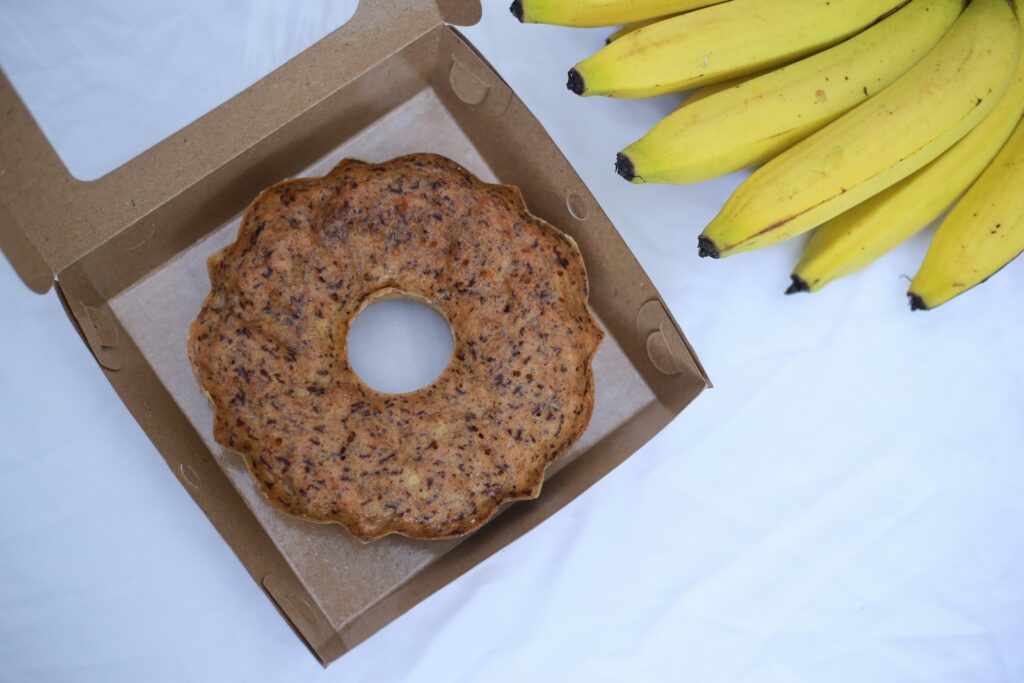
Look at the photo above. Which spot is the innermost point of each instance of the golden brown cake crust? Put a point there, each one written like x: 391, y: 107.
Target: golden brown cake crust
x: 269, y: 347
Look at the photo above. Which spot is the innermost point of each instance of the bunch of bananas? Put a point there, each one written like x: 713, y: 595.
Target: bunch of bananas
x: 867, y: 119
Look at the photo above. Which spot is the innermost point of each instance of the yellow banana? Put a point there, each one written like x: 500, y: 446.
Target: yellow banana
x: 593, y: 13
x: 629, y: 28
x: 720, y: 42
x: 698, y: 94
x: 857, y: 237
x: 982, y: 233
x: 880, y: 142
x: 752, y: 122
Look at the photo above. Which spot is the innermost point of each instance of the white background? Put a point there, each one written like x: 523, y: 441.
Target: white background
x: 846, y: 505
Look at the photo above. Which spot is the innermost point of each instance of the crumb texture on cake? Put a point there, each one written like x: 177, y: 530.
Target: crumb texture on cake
x: 269, y: 347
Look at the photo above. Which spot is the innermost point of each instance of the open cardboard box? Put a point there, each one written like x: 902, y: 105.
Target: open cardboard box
x: 127, y: 254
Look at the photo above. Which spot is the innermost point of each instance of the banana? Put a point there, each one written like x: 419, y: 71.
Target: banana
x: 983, y: 232
x: 593, y: 13
x: 698, y: 94
x: 720, y: 42
x: 880, y: 142
x: 629, y: 28
x: 857, y: 237
x: 721, y: 132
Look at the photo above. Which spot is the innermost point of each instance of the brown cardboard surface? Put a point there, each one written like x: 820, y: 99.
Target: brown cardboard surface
x: 344, y: 575
x: 134, y: 282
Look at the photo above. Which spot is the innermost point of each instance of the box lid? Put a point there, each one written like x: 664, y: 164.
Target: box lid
x: 49, y: 219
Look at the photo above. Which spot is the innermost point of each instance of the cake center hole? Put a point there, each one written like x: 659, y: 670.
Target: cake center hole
x: 398, y: 345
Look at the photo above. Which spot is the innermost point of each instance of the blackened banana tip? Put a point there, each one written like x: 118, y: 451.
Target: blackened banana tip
x: 798, y: 285
x: 624, y: 167
x: 916, y: 302
x: 516, y: 8
x: 575, y: 81
x: 705, y: 247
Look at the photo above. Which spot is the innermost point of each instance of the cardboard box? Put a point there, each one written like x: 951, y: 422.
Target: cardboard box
x: 127, y: 255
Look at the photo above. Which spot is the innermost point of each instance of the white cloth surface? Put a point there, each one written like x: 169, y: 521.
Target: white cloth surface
x: 846, y: 505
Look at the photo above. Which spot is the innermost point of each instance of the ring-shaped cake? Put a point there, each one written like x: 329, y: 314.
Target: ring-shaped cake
x: 269, y: 347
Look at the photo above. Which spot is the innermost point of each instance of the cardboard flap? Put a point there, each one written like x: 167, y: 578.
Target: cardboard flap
x: 30, y: 265
x: 460, y: 12
x: 667, y: 347
x: 49, y: 219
